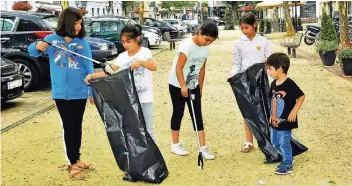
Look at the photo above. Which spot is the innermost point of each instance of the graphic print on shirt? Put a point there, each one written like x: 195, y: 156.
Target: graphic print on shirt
x: 139, y: 76
x: 61, y: 56
x: 192, y: 77
x: 280, y: 104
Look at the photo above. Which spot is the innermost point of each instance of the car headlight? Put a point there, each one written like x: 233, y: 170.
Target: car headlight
x: 104, y: 47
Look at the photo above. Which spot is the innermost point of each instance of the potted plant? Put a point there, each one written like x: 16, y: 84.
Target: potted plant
x: 326, y: 50
x: 328, y: 43
x: 268, y: 26
x: 21, y: 5
x: 83, y: 11
x: 345, y: 57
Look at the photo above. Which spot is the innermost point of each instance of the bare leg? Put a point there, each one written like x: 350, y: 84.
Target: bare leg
x: 249, y: 134
x: 175, y: 136
x: 201, y: 137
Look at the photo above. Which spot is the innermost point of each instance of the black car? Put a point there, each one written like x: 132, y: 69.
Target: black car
x: 131, y: 21
x: 164, y: 27
x: 19, y: 29
x: 12, y: 82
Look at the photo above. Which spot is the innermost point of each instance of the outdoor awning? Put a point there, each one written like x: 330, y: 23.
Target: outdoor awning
x: 247, y: 8
x: 273, y: 4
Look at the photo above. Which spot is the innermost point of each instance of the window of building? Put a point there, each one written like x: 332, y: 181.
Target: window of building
x: 92, y: 11
x: 308, y: 10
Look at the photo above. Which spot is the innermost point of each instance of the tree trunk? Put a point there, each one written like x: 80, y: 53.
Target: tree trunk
x: 141, y: 12
x: 344, y: 34
x: 275, y: 21
x: 289, y: 26
x: 234, y: 11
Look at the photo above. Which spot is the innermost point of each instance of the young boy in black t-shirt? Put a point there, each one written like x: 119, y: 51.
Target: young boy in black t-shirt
x: 287, y: 99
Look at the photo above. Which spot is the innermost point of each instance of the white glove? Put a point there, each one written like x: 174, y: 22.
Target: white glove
x: 109, y: 70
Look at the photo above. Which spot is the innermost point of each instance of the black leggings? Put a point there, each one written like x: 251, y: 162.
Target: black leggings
x: 178, y: 105
x: 71, y: 113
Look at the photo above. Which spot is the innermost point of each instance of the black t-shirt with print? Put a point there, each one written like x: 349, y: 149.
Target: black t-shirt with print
x: 286, y: 96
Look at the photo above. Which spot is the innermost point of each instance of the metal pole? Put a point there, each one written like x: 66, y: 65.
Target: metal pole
x: 201, y: 12
x: 296, y: 17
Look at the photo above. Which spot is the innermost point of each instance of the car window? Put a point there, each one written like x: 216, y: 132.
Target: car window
x: 119, y: 28
x: 149, y: 22
x: 160, y: 23
x: 7, y: 24
x: 28, y: 25
x: 173, y: 22
x: 92, y: 27
x: 108, y: 27
x: 51, y: 22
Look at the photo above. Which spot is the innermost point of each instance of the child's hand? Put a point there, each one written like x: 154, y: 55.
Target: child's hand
x: 91, y: 101
x: 87, y: 79
x: 275, y: 121
x: 42, y: 46
x: 292, y: 117
x: 184, y: 91
x: 135, y: 65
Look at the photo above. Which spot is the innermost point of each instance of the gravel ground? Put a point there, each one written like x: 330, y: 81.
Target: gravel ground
x: 32, y: 154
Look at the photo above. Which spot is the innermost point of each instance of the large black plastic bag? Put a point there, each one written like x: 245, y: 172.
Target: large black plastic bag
x: 251, y: 89
x: 135, y: 151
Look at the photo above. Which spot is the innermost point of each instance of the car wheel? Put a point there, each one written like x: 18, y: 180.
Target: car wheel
x: 30, y: 73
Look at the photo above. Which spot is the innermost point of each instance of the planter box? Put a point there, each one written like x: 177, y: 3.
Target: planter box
x: 346, y: 66
x: 328, y: 58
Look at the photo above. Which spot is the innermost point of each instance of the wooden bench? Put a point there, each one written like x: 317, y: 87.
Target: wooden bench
x: 292, y: 42
x: 172, y: 42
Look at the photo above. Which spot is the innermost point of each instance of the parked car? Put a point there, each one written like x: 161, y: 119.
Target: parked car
x: 131, y: 21
x: 109, y: 28
x: 178, y: 24
x: 193, y: 23
x: 217, y: 20
x: 12, y: 82
x: 19, y: 29
x: 164, y: 27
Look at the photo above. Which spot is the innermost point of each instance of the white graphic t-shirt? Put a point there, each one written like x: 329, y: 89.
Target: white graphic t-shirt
x: 196, y: 55
x: 143, y: 77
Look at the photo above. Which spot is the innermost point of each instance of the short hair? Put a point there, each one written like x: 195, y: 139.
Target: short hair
x: 132, y: 31
x: 249, y: 18
x: 66, y: 23
x: 210, y: 29
x: 278, y: 60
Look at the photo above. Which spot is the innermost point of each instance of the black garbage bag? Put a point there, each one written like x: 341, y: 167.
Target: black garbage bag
x: 135, y: 151
x: 251, y: 89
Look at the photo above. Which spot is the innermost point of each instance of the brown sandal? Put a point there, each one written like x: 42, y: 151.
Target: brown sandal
x: 247, y: 147
x: 75, y: 172
x: 81, y: 164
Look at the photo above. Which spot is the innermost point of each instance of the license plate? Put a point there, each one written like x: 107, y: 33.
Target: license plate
x: 14, y: 84
x: 114, y: 52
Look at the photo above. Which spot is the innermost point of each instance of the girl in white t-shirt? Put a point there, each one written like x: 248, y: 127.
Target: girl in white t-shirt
x: 187, y: 75
x: 141, y: 61
x: 249, y: 50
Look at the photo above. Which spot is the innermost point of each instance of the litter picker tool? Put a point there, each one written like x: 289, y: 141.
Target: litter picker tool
x: 192, y: 97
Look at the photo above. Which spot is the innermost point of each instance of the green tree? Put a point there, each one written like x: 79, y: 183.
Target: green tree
x: 126, y: 4
x: 229, y: 20
x: 177, y: 5
x: 327, y: 32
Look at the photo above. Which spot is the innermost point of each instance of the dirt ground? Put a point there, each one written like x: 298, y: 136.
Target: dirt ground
x: 32, y: 154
